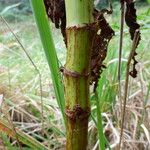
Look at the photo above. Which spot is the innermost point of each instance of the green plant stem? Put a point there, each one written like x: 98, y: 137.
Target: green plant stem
x: 79, y: 12
x: 49, y: 48
x: 76, y: 73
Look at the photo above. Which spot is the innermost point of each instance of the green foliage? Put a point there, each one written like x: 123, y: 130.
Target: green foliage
x: 50, y: 52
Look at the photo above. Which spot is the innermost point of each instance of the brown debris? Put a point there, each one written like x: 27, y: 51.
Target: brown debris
x: 56, y: 12
x: 131, y: 21
x: 100, y: 45
x: 77, y: 113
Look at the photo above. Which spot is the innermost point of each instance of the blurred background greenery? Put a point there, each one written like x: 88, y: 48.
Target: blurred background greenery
x: 22, y: 7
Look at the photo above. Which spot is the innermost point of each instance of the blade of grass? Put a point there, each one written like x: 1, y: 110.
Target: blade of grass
x: 106, y: 141
x: 22, y: 137
x: 99, y: 125
x: 49, y: 48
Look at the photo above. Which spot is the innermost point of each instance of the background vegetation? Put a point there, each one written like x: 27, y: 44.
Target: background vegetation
x: 20, y: 91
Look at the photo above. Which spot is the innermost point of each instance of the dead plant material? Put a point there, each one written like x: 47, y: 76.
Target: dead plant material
x: 77, y: 113
x: 134, y: 45
x: 56, y: 12
x: 131, y: 21
x: 100, y: 45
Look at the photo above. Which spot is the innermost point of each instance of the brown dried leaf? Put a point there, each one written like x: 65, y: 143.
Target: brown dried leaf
x: 56, y: 12
x: 100, y: 45
x: 131, y: 21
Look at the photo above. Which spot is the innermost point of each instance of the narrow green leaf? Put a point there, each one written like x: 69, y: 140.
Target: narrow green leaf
x: 100, y: 125
x: 49, y: 48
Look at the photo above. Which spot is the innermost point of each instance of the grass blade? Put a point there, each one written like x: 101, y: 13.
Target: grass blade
x: 99, y: 124
x: 49, y: 48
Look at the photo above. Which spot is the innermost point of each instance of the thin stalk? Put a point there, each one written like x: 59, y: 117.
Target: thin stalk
x: 76, y: 71
x: 121, y: 38
x: 120, y: 51
x: 49, y: 48
x: 134, y: 45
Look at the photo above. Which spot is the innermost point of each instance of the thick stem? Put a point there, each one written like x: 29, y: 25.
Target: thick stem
x: 79, y: 12
x: 76, y: 72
